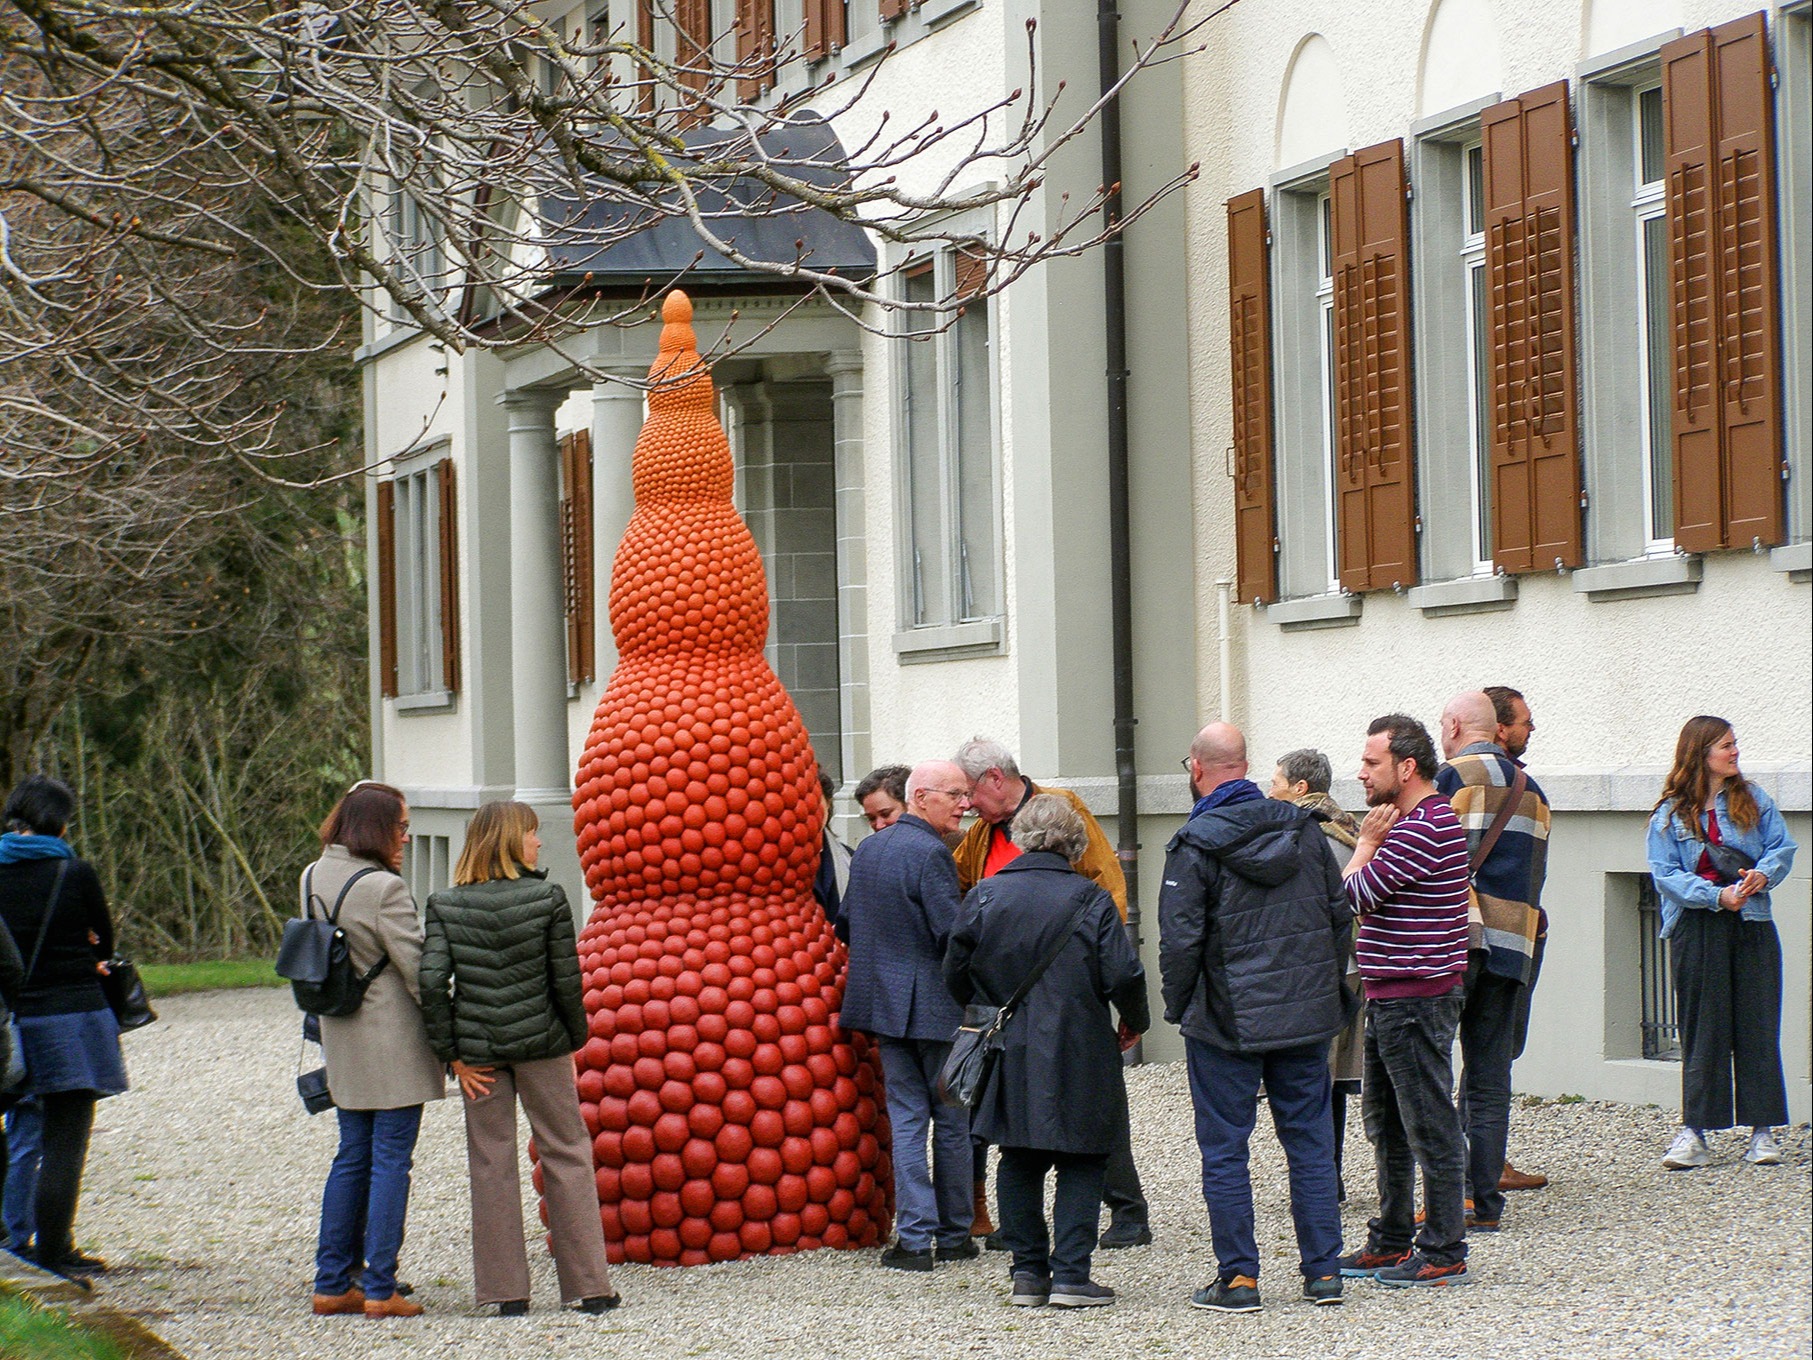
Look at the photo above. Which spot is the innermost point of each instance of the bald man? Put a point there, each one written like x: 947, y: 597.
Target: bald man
x: 1506, y: 819
x: 1254, y: 928
x: 897, y: 915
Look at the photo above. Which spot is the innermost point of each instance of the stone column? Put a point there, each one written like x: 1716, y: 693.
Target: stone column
x: 845, y: 370
x: 538, y: 645
x: 617, y: 415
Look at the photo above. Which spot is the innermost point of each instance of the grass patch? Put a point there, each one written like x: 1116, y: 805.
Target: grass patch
x: 28, y: 1332
x: 213, y: 975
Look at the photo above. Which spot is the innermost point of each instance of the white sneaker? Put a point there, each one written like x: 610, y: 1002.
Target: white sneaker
x: 1763, y: 1149
x: 1688, y: 1151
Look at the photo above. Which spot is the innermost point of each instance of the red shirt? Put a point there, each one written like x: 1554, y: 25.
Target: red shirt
x: 1001, y: 852
x: 1704, y: 868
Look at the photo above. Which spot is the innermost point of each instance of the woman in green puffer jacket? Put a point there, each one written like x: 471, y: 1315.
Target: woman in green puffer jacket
x: 502, y: 998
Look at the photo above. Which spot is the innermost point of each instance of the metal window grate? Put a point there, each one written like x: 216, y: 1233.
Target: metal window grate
x: 1661, y: 1026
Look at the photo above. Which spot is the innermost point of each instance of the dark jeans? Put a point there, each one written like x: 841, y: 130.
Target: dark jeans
x: 24, y: 1141
x: 365, y: 1202
x: 1064, y: 1254
x: 1224, y: 1088
x: 1121, y: 1190
x: 1728, y: 989
x: 1488, y: 1040
x: 1521, y: 1025
x: 1411, y: 1123
x: 934, y: 1204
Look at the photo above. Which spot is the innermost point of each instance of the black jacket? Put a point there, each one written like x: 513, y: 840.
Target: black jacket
x: 1253, y: 926
x: 500, y: 972
x: 64, y: 980
x: 1058, y: 1084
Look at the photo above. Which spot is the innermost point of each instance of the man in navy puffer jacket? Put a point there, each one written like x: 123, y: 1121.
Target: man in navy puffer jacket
x: 1253, y: 931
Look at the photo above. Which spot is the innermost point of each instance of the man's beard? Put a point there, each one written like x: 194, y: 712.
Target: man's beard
x: 1378, y: 797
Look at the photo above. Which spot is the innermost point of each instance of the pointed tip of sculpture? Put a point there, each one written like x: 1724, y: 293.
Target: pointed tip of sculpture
x: 676, y: 318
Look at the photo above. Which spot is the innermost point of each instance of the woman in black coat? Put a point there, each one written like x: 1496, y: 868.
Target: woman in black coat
x: 1056, y: 1096
x: 52, y: 904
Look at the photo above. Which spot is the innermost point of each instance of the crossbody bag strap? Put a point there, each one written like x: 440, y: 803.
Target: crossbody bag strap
x: 1050, y: 956
x: 1519, y: 783
x: 56, y: 893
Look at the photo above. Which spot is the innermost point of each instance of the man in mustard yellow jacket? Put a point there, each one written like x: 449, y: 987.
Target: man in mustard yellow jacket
x: 998, y: 791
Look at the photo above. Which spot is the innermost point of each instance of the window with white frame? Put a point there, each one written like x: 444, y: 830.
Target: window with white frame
x: 1478, y: 353
x: 950, y: 534
x: 416, y: 566
x: 1303, y: 397
x: 1650, y: 225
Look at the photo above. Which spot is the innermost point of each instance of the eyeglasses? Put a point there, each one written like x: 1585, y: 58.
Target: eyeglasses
x: 962, y: 795
x: 1185, y: 762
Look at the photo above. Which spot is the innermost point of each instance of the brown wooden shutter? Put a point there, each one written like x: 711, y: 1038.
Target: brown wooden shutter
x: 1250, y: 342
x: 386, y: 574
x: 824, y: 28
x: 1533, y: 429
x: 971, y: 273
x: 1687, y: 135
x: 755, y: 47
x: 1748, y: 286
x: 576, y: 555
x: 645, y: 39
x: 450, y: 576
x: 892, y: 9
x: 1375, y: 481
x: 1724, y: 288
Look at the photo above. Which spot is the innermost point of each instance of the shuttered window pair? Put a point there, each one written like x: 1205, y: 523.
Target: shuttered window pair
x: 418, y: 583
x: 1723, y: 338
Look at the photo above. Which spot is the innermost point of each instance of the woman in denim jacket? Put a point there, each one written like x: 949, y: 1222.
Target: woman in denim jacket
x: 1727, y: 956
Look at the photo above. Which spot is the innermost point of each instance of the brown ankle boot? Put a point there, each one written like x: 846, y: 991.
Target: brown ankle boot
x: 983, y: 1225
x: 394, y: 1306
x: 332, y: 1305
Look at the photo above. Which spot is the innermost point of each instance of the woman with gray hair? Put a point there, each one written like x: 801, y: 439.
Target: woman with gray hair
x: 1055, y: 1097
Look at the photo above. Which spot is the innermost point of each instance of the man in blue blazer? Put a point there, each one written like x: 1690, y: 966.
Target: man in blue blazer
x: 897, y: 915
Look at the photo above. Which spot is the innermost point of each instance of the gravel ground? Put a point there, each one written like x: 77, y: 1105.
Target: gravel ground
x: 204, y: 1181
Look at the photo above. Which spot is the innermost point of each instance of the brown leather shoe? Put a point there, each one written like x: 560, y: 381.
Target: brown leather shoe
x: 394, y: 1306
x: 332, y: 1305
x: 983, y: 1225
x: 1513, y: 1179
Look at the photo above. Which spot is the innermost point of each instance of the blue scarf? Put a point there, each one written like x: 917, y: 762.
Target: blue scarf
x: 1234, y: 791
x: 16, y: 848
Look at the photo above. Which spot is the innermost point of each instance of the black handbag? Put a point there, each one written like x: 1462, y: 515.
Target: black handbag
x: 125, y: 993
x: 1728, y: 862
x: 977, y: 1045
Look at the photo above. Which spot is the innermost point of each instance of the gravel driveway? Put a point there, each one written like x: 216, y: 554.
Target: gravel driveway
x: 204, y: 1182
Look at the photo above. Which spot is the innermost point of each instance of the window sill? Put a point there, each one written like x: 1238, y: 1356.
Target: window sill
x: 434, y: 701
x: 1678, y: 574
x: 1796, y: 559
x: 1316, y: 611
x: 937, y: 12
x: 861, y: 51
x: 949, y: 642
x: 1468, y: 595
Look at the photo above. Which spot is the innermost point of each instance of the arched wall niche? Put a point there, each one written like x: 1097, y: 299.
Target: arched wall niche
x: 1460, y: 56
x: 1312, y: 112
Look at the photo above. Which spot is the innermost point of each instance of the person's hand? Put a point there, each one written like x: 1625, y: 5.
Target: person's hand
x: 1730, y: 899
x: 474, y: 1081
x: 100, y: 966
x: 1125, y: 1037
x: 1378, y: 822
x: 1753, y: 882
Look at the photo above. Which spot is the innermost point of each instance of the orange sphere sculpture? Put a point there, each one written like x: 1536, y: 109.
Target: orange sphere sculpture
x: 730, y: 1114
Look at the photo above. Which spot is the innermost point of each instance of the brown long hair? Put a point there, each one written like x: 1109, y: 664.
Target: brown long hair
x: 1689, y: 783
x: 365, y: 821
x: 494, y: 843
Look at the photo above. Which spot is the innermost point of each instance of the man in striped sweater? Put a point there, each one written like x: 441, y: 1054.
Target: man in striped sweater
x: 1408, y: 883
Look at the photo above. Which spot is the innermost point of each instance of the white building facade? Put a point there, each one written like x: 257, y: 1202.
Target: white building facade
x: 933, y: 516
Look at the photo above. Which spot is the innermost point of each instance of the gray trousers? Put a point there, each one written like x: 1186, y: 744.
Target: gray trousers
x: 500, y: 1259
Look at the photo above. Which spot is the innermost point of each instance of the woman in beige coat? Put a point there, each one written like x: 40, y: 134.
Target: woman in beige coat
x: 380, y: 1070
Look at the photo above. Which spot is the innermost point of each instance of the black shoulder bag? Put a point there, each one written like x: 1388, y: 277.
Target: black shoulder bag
x: 317, y: 959
x: 976, y: 1047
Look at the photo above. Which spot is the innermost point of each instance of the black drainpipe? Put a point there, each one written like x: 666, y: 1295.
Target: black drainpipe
x: 1120, y: 552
